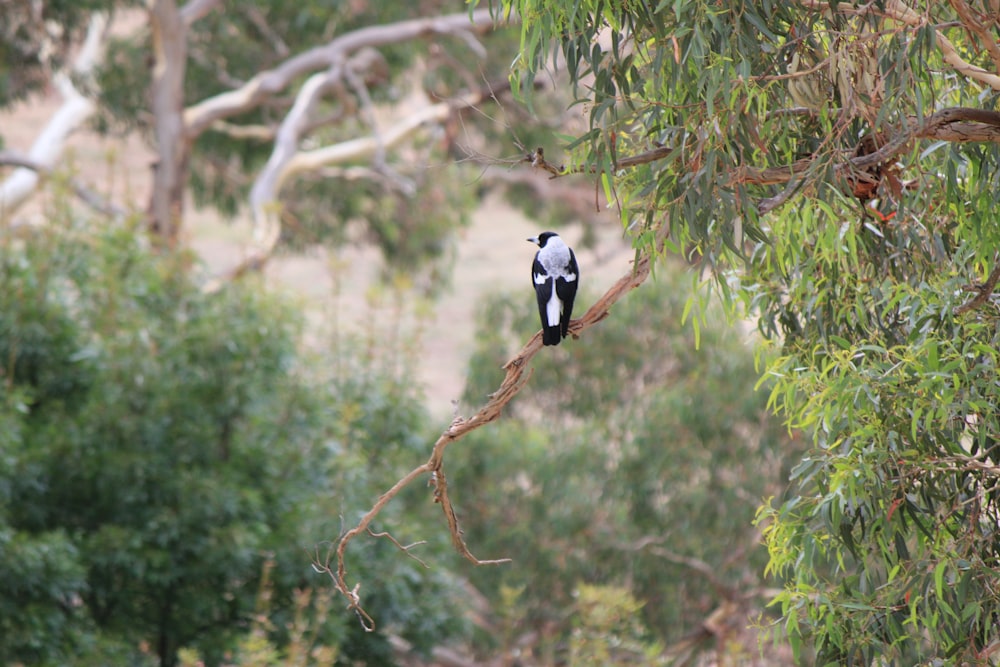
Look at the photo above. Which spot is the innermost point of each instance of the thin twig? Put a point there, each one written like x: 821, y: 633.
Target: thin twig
x: 404, y: 549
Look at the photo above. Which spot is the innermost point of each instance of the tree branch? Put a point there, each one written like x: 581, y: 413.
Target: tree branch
x: 75, y: 110
x: 345, y: 57
x: 954, y: 124
x: 973, y: 26
x: 200, y: 116
x: 517, y: 375
x: 88, y: 196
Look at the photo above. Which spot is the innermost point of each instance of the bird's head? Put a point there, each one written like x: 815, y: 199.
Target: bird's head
x: 542, y: 238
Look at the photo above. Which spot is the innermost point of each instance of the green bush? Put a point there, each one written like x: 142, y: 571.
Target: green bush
x: 159, y: 445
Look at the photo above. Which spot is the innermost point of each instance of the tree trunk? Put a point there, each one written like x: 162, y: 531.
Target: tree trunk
x: 166, y: 201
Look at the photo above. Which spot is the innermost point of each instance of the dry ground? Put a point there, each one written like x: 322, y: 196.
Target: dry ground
x: 335, y: 288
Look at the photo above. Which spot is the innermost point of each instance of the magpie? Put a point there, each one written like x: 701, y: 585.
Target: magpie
x: 555, y: 276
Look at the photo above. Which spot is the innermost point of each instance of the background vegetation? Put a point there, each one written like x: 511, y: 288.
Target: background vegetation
x: 164, y: 450
x: 174, y: 460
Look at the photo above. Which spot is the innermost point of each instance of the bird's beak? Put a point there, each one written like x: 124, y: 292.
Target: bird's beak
x: 533, y: 239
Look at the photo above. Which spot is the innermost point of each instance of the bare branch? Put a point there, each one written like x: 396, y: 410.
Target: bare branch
x: 75, y: 110
x: 404, y: 549
x: 517, y: 376
x: 347, y: 56
x: 201, y: 115
x: 285, y: 163
x: 88, y: 196
x: 267, y: 185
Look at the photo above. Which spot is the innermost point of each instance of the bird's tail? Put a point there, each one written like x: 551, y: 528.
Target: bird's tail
x: 552, y: 335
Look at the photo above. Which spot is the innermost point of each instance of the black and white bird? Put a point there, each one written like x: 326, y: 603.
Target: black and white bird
x: 556, y: 277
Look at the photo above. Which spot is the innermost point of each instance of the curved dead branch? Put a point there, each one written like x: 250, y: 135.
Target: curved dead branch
x: 517, y: 376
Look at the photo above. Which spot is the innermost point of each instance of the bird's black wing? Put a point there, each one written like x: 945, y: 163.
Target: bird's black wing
x: 566, y: 291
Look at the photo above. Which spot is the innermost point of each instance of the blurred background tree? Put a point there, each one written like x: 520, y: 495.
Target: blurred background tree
x: 162, y: 447
x: 320, y: 123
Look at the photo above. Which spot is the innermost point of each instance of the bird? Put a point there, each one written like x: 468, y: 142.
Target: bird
x: 555, y: 276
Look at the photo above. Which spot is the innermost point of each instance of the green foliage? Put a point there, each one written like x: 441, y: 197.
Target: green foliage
x: 857, y: 274
x: 303, y: 649
x: 160, y: 445
x: 44, y: 581
x: 628, y: 455
x: 163, y: 434
x: 607, y: 629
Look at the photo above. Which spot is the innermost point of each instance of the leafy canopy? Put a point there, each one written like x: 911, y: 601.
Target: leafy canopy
x: 835, y: 166
x: 166, y: 454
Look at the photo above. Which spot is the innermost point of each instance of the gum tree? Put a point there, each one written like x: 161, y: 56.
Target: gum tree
x: 834, y: 168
